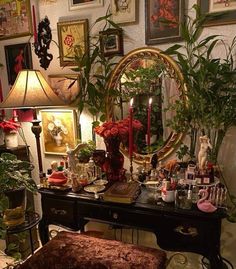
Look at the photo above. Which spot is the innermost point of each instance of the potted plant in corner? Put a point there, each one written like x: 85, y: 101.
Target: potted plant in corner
x: 14, y: 181
x: 210, y: 88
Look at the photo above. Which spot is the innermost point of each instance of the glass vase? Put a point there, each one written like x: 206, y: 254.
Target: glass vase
x: 114, y: 160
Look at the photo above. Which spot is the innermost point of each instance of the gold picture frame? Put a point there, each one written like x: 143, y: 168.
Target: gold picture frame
x: 59, y: 129
x: 16, y: 19
x: 78, y: 4
x: 73, y: 40
x: 124, y: 14
x: 66, y: 86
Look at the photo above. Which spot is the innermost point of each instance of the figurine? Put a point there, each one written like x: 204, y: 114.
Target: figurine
x: 202, y: 155
x: 205, y: 205
x: 71, y: 156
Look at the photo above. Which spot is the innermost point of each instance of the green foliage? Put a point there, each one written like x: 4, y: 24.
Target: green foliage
x: 15, y: 173
x: 142, y: 79
x: 210, y: 83
x: 87, y: 152
x: 94, y: 71
x: 182, y: 151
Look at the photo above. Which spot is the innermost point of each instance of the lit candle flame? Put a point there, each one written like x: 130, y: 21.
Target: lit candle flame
x: 150, y: 101
x: 131, y: 102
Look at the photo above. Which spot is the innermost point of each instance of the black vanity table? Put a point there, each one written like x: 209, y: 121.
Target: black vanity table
x: 175, y: 229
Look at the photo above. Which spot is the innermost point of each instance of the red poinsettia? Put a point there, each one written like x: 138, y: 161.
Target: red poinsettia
x: 9, y: 126
x: 117, y: 129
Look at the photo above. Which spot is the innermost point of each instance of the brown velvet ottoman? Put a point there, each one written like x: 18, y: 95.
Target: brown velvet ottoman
x: 78, y: 251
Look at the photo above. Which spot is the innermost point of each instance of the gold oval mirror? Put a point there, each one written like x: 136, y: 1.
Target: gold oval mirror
x: 146, y: 74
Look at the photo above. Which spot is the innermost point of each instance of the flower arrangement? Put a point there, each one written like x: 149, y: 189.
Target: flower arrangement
x: 117, y: 129
x: 55, y: 127
x: 9, y: 126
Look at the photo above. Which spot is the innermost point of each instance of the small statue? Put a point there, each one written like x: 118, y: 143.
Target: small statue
x: 202, y: 155
x: 72, y: 161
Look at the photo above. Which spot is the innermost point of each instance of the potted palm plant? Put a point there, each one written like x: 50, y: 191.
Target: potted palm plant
x: 210, y: 84
x: 210, y: 88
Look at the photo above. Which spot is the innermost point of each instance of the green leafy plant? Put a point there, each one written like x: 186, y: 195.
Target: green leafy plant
x: 14, y: 174
x: 94, y: 71
x: 182, y: 152
x: 210, y: 85
x: 86, y: 152
x: 210, y: 89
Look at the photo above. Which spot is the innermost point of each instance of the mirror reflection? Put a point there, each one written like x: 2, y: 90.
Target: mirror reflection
x: 153, y: 80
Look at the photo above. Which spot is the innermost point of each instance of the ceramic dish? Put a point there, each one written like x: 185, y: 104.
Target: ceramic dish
x: 100, y: 182
x: 94, y: 188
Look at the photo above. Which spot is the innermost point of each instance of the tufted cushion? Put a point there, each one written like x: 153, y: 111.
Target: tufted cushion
x: 78, y: 251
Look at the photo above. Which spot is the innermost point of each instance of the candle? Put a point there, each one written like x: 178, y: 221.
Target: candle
x: 149, y: 122
x: 131, y: 128
x: 1, y: 99
x: 34, y: 25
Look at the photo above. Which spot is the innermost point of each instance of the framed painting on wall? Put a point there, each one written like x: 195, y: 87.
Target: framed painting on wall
x: 124, y: 12
x: 163, y: 19
x: 65, y: 86
x: 18, y: 57
x: 224, y: 11
x: 73, y: 40
x: 15, y: 18
x: 59, y: 129
x: 78, y: 4
x: 111, y: 42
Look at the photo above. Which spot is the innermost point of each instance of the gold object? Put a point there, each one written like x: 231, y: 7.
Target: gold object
x: 172, y: 71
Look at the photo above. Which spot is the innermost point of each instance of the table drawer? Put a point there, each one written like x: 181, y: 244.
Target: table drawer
x: 60, y: 211
x: 183, y: 233
x: 113, y: 215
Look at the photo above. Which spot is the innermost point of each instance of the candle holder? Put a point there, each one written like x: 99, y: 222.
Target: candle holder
x: 131, y: 169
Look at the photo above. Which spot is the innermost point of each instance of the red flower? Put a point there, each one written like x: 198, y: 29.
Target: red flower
x: 9, y: 126
x: 69, y: 41
x: 118, y: 129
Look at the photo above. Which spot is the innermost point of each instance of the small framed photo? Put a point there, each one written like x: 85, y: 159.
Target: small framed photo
x: 15, y: 19
x: 225, y: 9
x: 59, y: 129
x: 111, y: 42
x: 65, y: 86
x: 159, y: 17
x: 18, y: 57
x: 124, y: 12
x: 73, y: 40
x: 78, y: 4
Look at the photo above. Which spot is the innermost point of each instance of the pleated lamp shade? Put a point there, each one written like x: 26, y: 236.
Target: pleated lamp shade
x: 31, y: 90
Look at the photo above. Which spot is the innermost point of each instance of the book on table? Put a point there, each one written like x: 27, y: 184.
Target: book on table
x: 122, y: 192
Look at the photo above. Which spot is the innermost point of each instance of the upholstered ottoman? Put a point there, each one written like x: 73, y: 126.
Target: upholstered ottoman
x: 78, y: 251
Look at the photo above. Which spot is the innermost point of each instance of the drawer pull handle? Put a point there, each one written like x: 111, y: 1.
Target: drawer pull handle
x: 115, y: 216
x: 186, y: 231
x: 58, y: 211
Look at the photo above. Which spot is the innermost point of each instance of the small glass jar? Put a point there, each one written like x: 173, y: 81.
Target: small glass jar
x: 183, y: 199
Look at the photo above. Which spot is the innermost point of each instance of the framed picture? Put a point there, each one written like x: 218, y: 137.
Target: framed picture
x: 159, y: 17
x: 18, y: 57
x: 111, y: 42
x: 15, y: 19
x: 226, y: 11
x: 59, y: 129
x: 78, y: 4
x: 73, y: 40
x: 65, y: 86
x: 124, y: 12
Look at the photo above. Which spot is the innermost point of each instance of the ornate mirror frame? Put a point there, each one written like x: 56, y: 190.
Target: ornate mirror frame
x: 173, y: 70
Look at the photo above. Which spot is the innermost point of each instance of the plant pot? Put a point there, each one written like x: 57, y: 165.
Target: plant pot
x: 11, y: 140
x: 15, y: 214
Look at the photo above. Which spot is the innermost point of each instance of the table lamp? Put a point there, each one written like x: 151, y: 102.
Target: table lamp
x: 32, y: 91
